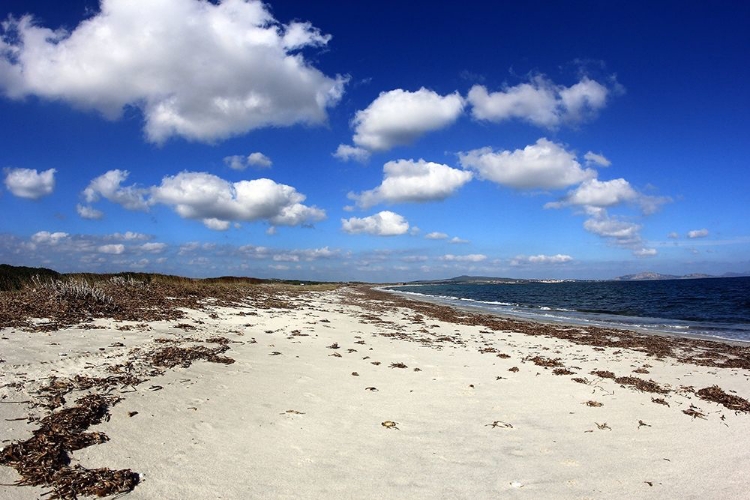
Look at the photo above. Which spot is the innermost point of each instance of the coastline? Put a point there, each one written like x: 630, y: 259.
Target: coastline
x: 304, y: 411
x: 479, y: 309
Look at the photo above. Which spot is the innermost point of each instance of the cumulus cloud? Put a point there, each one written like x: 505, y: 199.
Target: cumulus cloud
x: 593, y: 192
x: 413, y: 181
x: 616, y: 230
x: 436, y: 236
x: 697, y: 233
x: 458, y: 241
x: 540, y: 259
x: 596, y: 159
x: 645, y: 252
x: 239, y: 162
x: 196, y: 69
x: 208, y: 198
x: 345, y: 153
x: 109, y: 186
x: 153, y: 247
x: 29, y: 183
x: 400, y: 117
x: 540, y: 102
x: 47, y: 238
x: 477, y: 257
x: 88, y: 212
x: 384, y: 223
x: 543, y: 165
x: 114, y: 249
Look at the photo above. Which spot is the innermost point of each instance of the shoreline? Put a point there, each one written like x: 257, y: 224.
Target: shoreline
x: 563, y: 322
x: 354, y: 393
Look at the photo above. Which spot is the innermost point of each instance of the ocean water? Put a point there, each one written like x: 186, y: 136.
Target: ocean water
x: 711, y: 307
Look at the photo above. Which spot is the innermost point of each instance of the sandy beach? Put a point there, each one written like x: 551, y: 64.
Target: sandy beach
x: 353, y: 393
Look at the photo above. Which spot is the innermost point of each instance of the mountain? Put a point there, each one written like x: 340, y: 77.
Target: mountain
x: 645, y: 276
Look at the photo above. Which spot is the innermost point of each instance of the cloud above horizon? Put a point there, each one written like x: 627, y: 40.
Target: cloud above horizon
x: 543, y: 165
x: 385, y: 223
x: 398, y: 118
x: 209, y: 198
x: 541, y: 102
x: 29, y: 183
x: 195, y: 69
x: 412, y: 181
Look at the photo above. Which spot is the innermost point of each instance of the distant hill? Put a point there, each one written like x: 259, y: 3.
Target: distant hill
x: 646, y: 276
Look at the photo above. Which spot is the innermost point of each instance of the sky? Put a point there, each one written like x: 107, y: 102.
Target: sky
x: 375, y: 141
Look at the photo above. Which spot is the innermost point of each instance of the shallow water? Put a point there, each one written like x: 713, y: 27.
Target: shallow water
x: 713, y: 307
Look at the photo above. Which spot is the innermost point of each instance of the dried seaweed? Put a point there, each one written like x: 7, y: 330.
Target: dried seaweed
x: 44, y: 459
x: 641, y: 385
x: 171, y: 356
x: 545, y: 362
x: 717, y: 395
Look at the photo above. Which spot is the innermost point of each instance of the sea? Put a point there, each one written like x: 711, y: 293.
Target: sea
x: 710, y: 307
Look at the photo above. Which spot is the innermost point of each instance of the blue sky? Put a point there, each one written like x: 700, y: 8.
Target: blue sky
x: 375, y: 141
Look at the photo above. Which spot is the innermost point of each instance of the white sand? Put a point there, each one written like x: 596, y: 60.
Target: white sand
x: 301, y: 425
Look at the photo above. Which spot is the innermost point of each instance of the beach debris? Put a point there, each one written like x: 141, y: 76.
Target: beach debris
x: 417, y: 369
x: 132, y: 413
x: 371, y: 389
x: 376, y: 363
x: 562, y: 371
x: 503, y: 355
x: 499, y: 423
x: 717, y: 395
x: 694, y: 412
x: 513, y: 369
x: 641, y: 385
x: 355, y: 374
x: 641, y: 423
x: 603, y: 373
x: 398, y: 365
x: 603, y: 426
x: 516, y: 484
x: 44, y: 459
x: 594, y: 404
x: 581, y: 380
x: 335, y: 355
x: 275, y: 353
x: 335, y: 345
x: 641, y: 370
x: 390, y: 424
x: 649, y: 483
x: 292, y: 412
x: 545, y: 362
x: 171, y: 356
x: 659, y: 401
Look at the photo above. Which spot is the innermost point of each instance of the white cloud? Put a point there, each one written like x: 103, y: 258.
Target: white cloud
x: 196, y: 69
x: 384, y: 223
x: 202, y: 196
x: 114, y: 249
x: 596, y: 159
x: 129, y: 236
x: 345, y: 153
x: 216, y: 224
x: 108, y: 186
x: 239, y: 162
x: 399, y: 117
x: 540, y: 102
x: 88, y: 212
x: 413, y: 181
x: 153, y: 247
x: 543, y: 165
x: 540, y: 259
x: 210, y: 199
x: 28, y: 183
x: 673, y: 235
x: 436, y: 236
x: 697, y: 233
x: 645, y: 252
x: 456, y: 240
x: 47, y: 238
x: 620, y: 232
x: 595, y: 193
x: 463, y: 258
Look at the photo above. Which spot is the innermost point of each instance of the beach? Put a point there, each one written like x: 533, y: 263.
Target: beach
x: 350, y: 392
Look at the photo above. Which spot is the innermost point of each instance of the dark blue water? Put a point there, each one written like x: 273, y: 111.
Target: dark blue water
x: 715, y: 307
